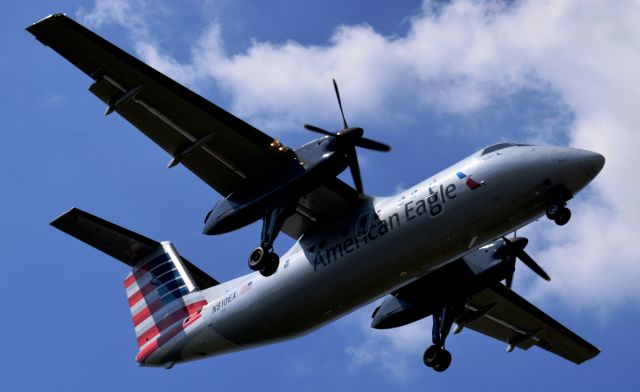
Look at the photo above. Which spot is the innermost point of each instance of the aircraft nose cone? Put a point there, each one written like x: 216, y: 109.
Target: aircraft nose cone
x: 590, y: 162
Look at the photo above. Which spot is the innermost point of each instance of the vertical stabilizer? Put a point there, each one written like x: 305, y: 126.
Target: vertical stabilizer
x: 163, y: 299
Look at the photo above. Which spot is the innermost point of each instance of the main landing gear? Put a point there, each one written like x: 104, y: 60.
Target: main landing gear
x: 265, y: 261
x: 263, y: 258
x: 436, y: 356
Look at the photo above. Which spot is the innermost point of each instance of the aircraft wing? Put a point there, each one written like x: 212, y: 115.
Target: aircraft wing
x: 216, y: 146
x: 504, y: 315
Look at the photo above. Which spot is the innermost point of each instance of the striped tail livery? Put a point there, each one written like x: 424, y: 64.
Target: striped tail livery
x: 164, y: 290
x: 162, y: 299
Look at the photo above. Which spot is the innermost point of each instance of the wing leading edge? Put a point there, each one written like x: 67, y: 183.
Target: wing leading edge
x: 504, y: 315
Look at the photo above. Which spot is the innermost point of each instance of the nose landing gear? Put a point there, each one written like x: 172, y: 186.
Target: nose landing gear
x: 436, y: 356
x: 558, y: 213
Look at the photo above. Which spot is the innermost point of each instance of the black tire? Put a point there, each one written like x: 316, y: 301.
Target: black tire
x: 257, y: 259
x: 444, y: 360
x: 562, y: 217
x: 271, y: 266
x: 553, y: 210
x: 430, y: 356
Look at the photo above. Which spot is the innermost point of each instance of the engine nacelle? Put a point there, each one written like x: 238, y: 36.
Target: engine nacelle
x: 449, y: 284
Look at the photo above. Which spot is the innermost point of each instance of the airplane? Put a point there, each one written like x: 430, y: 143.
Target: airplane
x: 441, y: 248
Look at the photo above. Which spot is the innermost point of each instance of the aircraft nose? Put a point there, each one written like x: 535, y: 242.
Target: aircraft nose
x: 590, y: 162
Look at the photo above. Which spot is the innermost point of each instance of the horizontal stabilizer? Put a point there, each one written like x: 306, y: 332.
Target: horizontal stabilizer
x: 118, y: 242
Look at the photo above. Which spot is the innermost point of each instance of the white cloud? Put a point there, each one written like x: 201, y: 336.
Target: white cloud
x: 458, y: 58
x: 395, y: 350
x: 129, y: 13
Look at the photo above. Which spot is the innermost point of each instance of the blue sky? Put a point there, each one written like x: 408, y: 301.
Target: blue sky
x: 437, y: 81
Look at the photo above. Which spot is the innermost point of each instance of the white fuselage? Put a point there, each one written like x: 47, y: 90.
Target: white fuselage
x: 387, y: 243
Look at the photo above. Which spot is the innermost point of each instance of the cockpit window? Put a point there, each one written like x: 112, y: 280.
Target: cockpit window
x: 500, y: 146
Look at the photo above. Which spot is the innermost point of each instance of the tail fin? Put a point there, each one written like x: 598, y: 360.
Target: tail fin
x: 162, y: 297
x: 163, y: 289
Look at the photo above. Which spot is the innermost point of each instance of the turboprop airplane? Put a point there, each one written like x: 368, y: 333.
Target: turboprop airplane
x: 441, y: 248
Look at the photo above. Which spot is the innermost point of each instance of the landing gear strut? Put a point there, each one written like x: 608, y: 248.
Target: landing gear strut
x: 263, y: 258
x: 436, y: 356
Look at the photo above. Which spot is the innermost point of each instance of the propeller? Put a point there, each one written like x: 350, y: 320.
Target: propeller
x: 351, y: 137
x: 514, y: 248
x: 335, y: 87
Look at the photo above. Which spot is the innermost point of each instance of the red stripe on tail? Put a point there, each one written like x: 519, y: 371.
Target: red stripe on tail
x: 168, y: 321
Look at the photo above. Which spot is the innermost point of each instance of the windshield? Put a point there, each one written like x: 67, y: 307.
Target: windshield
x: 500, y: 146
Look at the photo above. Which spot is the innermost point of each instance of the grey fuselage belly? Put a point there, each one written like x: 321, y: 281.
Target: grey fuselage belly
x: 387, y: 243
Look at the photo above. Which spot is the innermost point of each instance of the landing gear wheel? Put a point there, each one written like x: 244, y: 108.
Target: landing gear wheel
x: 257, y: 259
x: 444, y: 360
x: 553, y: 210
x: 562, y: 217
x: 271, y: 265
x: 430, y: 356
x: 437, y: 358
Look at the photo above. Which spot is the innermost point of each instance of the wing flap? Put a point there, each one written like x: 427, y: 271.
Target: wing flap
x: 168, y: 113
x: 515, y: 321
x: 211, y: 170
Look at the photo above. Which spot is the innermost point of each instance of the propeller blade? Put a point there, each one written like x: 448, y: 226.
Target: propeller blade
x: 373, y: 145
x: 347, y: 139
x: 529, y: 262
x: 313, y: 128
x: 517, y: 242
x: 335, y: 86
x: 516, y: 247
x: 355, y: 170
x: 511, y: 261
x: 509, y: 280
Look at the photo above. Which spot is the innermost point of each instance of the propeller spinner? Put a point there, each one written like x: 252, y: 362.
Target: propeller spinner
x: 351, y: 137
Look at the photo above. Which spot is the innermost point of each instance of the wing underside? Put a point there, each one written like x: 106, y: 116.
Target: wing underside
x: 504, y: 315
x: 218, y: 147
